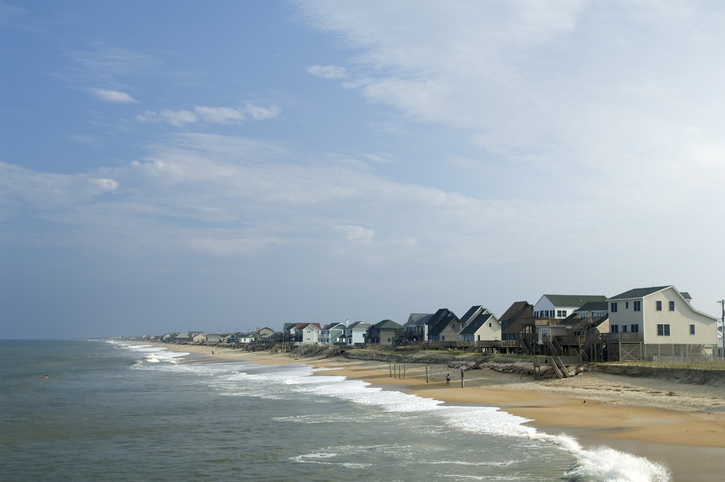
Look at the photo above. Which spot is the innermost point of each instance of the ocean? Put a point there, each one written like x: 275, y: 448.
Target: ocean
x: 113, y: 411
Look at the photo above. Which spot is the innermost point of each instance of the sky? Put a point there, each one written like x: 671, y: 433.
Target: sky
x: 223, y: 166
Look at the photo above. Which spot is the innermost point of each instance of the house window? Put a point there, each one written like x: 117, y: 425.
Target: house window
x: 614, y: 328
x: 624, y: 328
x: 614, y: 308
x: 443, y: 338
x: 692, y: 328
x: 634, y: 328
x: 637, y: 305
x: 672, y: 306
x: 663, y: 330
x: 490, y: 325
x: 626, y: 305
x: 659, y: 306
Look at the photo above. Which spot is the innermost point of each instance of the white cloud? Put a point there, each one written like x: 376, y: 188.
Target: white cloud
x: 327, y: 71
x: 219, y: 115
x: 209, y: 115
x: 178, y: 118
x: 114, y: 96
x: 358, y: 234
x: 262, y: 113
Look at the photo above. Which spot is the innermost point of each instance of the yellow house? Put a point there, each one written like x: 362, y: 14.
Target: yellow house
x: 661, y: 315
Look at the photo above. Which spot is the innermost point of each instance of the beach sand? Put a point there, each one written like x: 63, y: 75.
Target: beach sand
x: 680, y: 426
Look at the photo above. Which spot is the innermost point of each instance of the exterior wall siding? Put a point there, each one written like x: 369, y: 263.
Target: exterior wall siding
x: 679, y: 320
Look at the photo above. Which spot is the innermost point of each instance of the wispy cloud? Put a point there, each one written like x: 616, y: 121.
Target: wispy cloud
x: 219, y: 115
x: 114, y: 96
x: 328, y: 71
x: 210, y: 115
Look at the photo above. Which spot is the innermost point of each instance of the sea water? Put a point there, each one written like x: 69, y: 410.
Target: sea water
x: 113, y: 411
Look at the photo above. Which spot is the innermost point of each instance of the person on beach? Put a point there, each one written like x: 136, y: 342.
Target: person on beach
x: 448, y: 379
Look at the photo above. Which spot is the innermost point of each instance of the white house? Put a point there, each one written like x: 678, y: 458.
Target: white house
x: 310, y: 333
x: 355, y: 333
x: 551, y: 313
x: 662, y: 315
x: 479, y: 325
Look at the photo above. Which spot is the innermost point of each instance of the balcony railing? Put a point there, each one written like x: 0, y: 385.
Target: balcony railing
x: 623, y: 337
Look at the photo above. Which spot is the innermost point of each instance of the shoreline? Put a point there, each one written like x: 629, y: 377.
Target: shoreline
x: 681, y: 427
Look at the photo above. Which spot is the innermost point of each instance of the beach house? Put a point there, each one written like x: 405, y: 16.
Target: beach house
x: 383, y: 332
x: 309, y: 333
x: 517, y: 324
x: 478, y: 324
x: 416, y: 328
x: 551, y: 318
x: 438, y: 326
x: 332, y: 333
x: 355, y: 333
x: 658, y: 321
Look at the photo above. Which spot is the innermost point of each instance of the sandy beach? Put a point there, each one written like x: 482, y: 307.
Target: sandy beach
x: 680, y: 426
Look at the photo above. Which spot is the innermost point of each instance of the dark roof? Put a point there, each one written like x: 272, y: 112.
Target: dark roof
x: 359, y: 325
x: 302, y: 326
x: 594, y: 306
x: 516, y: 310
x: 477, y: 323
x: 387, y: 325
x: 418, y: 319
x: 574, y: 300
x: 439, y: 316
x: 287, y: 326
x: 471, y: 314
x: 447, y: 319
x: 639, y: 292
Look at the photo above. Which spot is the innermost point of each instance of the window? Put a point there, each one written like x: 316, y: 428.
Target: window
x: 637, y: 305
x: 536, y: 314
x: 663, y: 330
x: 490, y: 325
x: 614, y: 328
x: 563, y: 313
x: 692, y: 327
x: 634, y: 328
x: 624, y: 328
x: 659, y: 306
x: 613, y: 308
x: 672, y: 306
x: 626, y: 305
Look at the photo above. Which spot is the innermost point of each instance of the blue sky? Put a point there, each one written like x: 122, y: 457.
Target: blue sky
x: 172, y: 166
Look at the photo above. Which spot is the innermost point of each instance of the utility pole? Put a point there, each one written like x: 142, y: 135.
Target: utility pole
x: 722, y: 329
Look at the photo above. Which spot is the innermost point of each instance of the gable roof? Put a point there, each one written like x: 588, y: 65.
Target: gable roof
x: 418, y: 319
x: 573, y: 300
x: 359, y: 325
x: 594, y: 306
x: 439, y: 316
x: 639, y: 293
x: 437, y: 329
x: 387, y: 325
x: 474, y: 311
x: 516, y: 310
x: 642, y: 292
x: 302, y: 326
x: 477, y: 323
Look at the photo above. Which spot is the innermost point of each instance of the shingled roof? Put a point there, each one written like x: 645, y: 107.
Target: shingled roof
x: 642, y: 292
x: 477, y: 323
x: 574, y: 300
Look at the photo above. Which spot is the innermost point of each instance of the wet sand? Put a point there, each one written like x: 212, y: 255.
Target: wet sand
x: 680, y: 426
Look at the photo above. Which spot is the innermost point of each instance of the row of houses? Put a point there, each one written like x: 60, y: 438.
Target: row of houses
x: 199, y: 337
x: 636, y: 324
